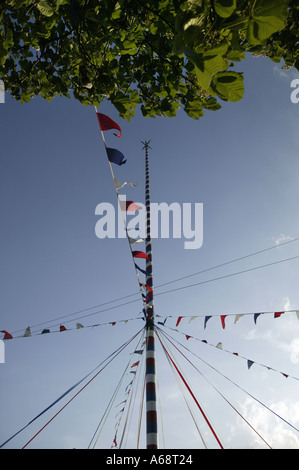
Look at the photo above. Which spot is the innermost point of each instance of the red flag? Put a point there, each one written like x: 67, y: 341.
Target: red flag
x: 187, y: 336
x: 129, y: 206
x: 178, y: 321
x: 223, y: 320
x: 6, y: 334
x: 106, y: 123
x: 112, y: 323
x: 277, y: 314
x: 62, y: 328
x: 134, y: 365
x: 140, y: 254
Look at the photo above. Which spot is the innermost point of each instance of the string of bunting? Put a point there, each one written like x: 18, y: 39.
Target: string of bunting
x: 128, y: 396
x: 219, y: 346
x: 117, y: 158
x: 79, y: 326
x: 223, y: 317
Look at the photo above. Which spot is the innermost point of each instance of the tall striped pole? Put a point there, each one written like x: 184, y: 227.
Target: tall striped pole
x: 150, y: 373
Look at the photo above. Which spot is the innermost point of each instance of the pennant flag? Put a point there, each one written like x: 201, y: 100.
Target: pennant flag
x: 255, y: 316
x: 6, y: 334
x: 223, y: 320
x: 79, y: 326
x: 135, y: 240
x: 188, y: 336
x: 277, y: 314
x: 206, y: 320
x: 178, y: 321
x: 112, y: 323
x: 135, y: 364
x: 45, y: 331
x: 140, y: 254
x: 237, y: 317
x: 119, y: 185
x: 115, y: 156
x: 106, y: 123
x: 141, y: 270
x: 27, y: 332
x: 62, y: 328
x: 162, y: 322
x: 249, y: 363
x: 219, y: 345
x: 297, y: 313
x: 192, y: 318
x: 129, y: 206
x: 138, y: 351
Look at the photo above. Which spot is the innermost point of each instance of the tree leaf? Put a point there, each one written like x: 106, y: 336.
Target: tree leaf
x: 228, y: 86
x: 224, y: 8
x: 267, y: 18
x: 45, y: 8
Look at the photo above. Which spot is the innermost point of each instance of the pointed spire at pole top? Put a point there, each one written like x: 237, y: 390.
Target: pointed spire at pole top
x: 146, y: 144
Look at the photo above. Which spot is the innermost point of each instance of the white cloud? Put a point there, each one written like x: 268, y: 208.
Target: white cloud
x: 282, y: 239
x: 277, y: 433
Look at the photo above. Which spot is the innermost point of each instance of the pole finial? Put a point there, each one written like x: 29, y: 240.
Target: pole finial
x: 146, y: 144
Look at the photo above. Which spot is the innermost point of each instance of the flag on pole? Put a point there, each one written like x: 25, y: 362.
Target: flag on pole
x: 140, y: 254
x: 6, y: 334
x: 129, y: 206
x: 115, y: 156
x: 106, y: 123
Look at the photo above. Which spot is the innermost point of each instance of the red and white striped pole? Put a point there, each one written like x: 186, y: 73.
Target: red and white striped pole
x: 150, y: 379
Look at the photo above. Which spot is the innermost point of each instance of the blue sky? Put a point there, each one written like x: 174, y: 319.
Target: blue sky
x: 242, y: 163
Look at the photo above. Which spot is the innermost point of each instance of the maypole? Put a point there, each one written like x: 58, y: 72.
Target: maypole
x: 150, y: 373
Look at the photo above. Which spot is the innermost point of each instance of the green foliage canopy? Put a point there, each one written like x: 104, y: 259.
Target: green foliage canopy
x: 162, y: 54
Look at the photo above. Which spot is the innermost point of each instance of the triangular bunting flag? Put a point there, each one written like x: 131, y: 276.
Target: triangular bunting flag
x: 45, y: 331
x: 249, y: 363
x: 141, y: 270
x: 219, y: 345
x: 277, y: 314
x: 222, y: 317
x: 192, y: 318
x: 27, y: 332
x: 138, y: 351
x: 119, y: 185
x: 6, y: 334
x: 129, y: 206
x: 238, y: 316
x: 62, y: 328
x: 178, y: 321
x: 112, y: 323
x: 79, y: 326
x: 256, y: 315
x: 135, y: 364
x: 115, y: 156
x: 135, y: 240
x: 106, y: 123
x: 188, y: 336
x: 206, y: 320
x: 297, y: 313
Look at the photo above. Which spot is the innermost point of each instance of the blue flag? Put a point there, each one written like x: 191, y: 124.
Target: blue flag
x: 115, y: 156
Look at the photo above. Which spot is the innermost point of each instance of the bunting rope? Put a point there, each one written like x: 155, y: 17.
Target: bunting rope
x: 112, y: 356
x: 218, y: 391
x: 219, y: 346
x: 62, y: 328
x: 115, y: 156
x: 62, y: 318
x: 110, y: 404
x: 236, y: 385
